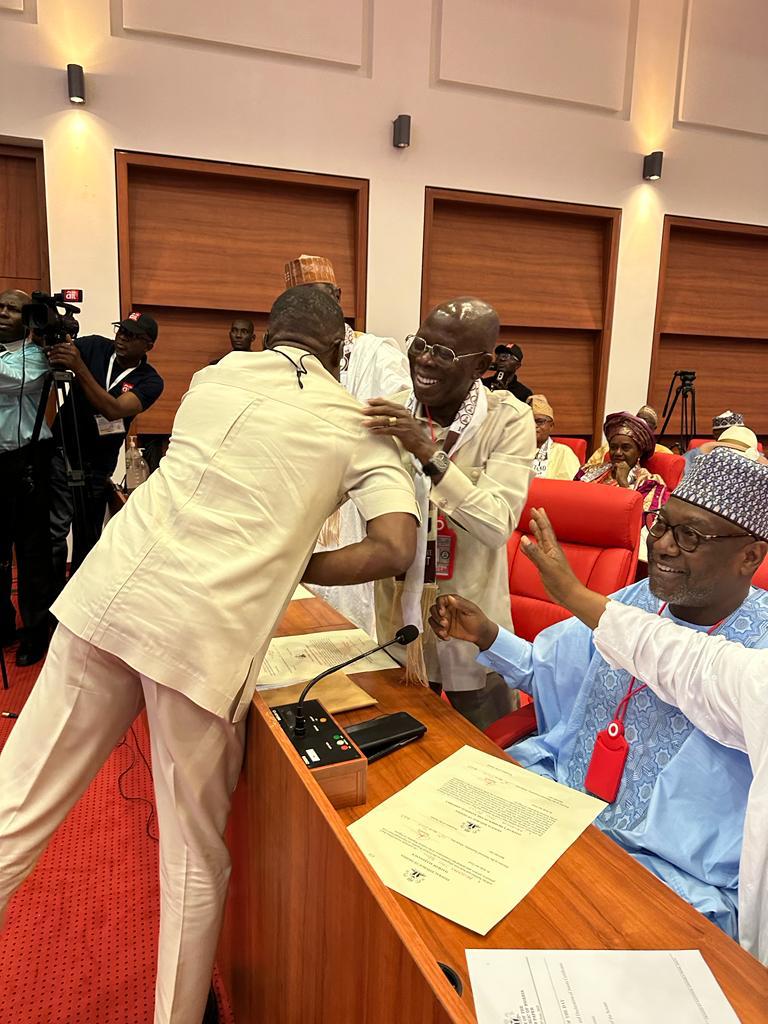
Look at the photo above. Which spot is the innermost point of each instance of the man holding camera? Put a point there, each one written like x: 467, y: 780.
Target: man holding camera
x: 113, y: 383
x: 24, y: 461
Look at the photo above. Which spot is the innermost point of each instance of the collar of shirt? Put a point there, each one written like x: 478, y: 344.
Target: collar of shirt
x: 12, y: 346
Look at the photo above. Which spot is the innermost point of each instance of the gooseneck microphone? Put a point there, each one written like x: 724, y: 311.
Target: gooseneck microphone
x: 405, y: 635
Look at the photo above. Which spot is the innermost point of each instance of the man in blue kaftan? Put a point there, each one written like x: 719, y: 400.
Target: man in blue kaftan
x: 682, y: 798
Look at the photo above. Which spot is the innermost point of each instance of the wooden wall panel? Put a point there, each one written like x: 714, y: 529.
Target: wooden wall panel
x: 187, y: 341
x: 560, y: 365
x: 203, y: 242
x: 716, y: 284
x: 732, y: 373
x: 218, y: 242
x: 712, y: 317
x: 549, y: 270
x: 542, y: 269
x: 23, y: 237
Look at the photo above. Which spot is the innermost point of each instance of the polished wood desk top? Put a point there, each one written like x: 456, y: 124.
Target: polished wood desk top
x: 595, y: 897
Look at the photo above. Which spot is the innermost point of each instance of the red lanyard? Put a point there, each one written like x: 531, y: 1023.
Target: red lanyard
x: 611, y: 749
x: 431, y: 425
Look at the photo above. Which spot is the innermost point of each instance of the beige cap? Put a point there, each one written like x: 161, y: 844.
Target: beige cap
x: 541, y: 406
x: 309, y: 270
x: 741, y: 439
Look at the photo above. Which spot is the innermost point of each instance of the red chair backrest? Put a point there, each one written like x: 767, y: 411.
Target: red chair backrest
x: 599, y: 530
x: 669, y: 467
x: 578, y: 444
x: 760, y: 579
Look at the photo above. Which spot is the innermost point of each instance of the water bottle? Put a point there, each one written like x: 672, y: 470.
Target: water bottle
x: 136, y: 469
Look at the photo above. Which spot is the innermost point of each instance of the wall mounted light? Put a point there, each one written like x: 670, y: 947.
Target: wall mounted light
x: 652, y: 165
x: 76, y: 83
x: 401, y: 131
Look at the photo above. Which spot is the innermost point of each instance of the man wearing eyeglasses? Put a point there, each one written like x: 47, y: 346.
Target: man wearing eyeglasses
x: 470, y: 452
x: 676, y: 798
x: 113, y: 384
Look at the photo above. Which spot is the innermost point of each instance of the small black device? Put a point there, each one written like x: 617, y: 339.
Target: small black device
x: 386, y: 731
x: 42, y: 315
x: 323, y: 742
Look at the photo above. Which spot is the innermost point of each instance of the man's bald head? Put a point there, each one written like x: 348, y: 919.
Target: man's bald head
x: 472, y: 322
x: 460, y: 336
x: 11, y: 302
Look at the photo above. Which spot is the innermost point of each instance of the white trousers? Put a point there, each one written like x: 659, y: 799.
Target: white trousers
x: 80, y: 708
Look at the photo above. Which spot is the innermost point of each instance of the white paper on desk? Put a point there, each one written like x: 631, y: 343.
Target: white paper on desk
x: 301, y: 593
x: 296, y: 659
x: 472, y: 836
x: 552, y: 986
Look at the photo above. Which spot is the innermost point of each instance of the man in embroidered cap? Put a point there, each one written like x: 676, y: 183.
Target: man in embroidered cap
x: 371, y: 366
x: 470, y: 452
x: 681, y: 798
x: 553, y: 460
x: 720, y: 424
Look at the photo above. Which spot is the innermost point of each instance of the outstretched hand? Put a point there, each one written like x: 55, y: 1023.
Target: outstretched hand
x: 454, y: 616
x: 558, y: 578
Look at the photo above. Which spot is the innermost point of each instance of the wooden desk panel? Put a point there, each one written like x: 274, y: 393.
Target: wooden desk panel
x: 595, y: 896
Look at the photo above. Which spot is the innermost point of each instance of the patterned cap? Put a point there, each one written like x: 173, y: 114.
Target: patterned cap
x: 309, y: 270
x: 541, y: 406
x: 728, y: 419
x: 730, y: 485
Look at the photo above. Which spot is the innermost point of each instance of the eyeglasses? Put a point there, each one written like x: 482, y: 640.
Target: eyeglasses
x: 686, y: 537
x: 440, y: 353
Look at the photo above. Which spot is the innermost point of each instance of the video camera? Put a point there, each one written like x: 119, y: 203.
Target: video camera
x: 42, y: 317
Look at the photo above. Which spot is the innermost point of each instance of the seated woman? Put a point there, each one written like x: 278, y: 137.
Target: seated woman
x: 553, y: 460
x: 630, y: 443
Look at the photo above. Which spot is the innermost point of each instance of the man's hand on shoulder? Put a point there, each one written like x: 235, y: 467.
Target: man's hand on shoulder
x: 385, y: 417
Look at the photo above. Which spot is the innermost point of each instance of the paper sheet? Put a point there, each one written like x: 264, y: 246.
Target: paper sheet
x: 522, y: 986
x: 336, y: 693
x: 296, y: 659
x: 301, y: 593
x: 473, y: 835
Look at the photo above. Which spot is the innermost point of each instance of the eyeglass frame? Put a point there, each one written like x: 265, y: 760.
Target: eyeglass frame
x: 431, y: 350
x: 651, y: 518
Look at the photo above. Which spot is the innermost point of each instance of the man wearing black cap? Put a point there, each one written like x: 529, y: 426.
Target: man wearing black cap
x: 509, y: 359
x: 113, y: 383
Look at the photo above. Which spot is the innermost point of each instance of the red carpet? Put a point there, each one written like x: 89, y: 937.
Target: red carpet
x: 80, y: 941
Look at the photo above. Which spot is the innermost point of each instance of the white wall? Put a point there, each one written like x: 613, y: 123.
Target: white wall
x: 556, y: 99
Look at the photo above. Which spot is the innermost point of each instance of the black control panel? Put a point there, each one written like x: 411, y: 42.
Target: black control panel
x: 323, y: 742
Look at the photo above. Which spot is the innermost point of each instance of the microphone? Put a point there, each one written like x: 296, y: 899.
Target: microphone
x: 404, y: 635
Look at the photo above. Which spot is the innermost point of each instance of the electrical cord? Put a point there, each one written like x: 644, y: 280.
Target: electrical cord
x: 128, y: 797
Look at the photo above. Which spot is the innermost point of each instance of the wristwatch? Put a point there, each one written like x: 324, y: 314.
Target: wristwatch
x: 437, y: 465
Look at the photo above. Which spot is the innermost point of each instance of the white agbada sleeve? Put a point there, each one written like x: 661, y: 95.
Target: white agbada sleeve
x: 722, y: 688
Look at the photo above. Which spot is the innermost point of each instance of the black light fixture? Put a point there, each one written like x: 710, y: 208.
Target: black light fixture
x: 76, y: 83
x: 652, y: 165
x: 401, y: 131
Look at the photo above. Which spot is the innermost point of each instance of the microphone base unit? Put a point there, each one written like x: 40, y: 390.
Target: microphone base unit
x: 336, y: 762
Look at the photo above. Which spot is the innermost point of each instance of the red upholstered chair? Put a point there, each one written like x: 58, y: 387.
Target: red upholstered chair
x: 599, y: 529
x: 760, y: 579
x: 578, y: 444
x: 669, y: 467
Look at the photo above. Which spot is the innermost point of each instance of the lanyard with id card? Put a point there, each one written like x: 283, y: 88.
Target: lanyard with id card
x: 609, y: 756
x: 104, y: 426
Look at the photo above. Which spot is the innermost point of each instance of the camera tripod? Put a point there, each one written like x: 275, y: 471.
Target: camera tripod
x: 685, y: 393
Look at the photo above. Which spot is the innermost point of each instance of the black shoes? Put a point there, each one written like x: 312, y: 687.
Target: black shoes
x: 211, y: 1015
x: 31, y: 650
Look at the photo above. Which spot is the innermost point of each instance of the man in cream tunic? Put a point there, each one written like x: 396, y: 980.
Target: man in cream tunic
x: 175, y: 606
x: 472, y: 449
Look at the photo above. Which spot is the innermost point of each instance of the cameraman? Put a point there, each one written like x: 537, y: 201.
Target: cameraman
x: 113, y: 383
x: 24, y: 499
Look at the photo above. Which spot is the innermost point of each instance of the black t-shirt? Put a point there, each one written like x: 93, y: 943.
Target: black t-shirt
x: 101, y: 452
x: 502, y: 380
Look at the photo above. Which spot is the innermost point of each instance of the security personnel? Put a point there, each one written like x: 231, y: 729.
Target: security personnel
x: 113, y: 383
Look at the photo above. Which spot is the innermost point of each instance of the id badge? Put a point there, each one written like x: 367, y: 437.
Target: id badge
x: 607, y: 765
x: 105, y: 426
x: 445, y: 550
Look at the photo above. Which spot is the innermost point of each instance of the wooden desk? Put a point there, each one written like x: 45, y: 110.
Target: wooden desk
x: 595, y: 896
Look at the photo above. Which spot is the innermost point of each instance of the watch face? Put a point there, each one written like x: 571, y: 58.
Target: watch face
x: 441, y: 460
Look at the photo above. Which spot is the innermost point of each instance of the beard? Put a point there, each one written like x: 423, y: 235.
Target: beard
x: 682, y: 590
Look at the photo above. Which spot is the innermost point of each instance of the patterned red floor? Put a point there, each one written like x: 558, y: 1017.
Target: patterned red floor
x: 80, y: 941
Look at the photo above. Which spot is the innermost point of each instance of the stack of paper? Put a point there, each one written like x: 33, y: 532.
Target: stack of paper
x: 296, y: 659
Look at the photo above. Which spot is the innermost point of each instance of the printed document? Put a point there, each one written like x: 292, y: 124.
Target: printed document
x: 296, y: 659
x: 472, y: 836
x: 550, y: 986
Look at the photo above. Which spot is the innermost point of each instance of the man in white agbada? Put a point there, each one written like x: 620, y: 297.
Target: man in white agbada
x: 371, y: 366
x: 720, y: 686
x: 470, y: 452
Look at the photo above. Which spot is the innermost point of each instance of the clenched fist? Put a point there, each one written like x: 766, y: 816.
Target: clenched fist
x: 454, y: 616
